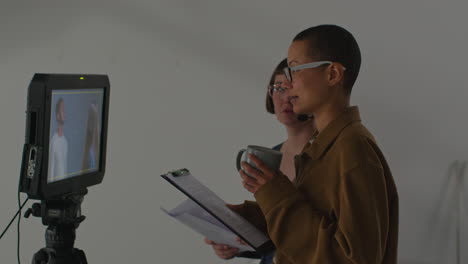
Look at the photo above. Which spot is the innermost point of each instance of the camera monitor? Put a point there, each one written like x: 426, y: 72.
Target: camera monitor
x: 66, y: 134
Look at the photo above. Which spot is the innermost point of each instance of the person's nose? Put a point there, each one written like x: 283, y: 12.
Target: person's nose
x: 287, y: 84
x: 287, y: 87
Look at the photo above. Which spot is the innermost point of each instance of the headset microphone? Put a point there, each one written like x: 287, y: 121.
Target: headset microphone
x: 303, y: 118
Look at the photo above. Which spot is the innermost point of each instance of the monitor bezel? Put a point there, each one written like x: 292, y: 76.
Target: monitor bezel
x: 64, y: 82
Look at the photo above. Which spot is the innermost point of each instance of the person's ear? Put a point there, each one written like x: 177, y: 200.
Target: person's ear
x: 335, y: 74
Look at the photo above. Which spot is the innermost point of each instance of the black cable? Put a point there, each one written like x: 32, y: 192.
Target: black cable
x: 18, y: 230
x: 4, y: 231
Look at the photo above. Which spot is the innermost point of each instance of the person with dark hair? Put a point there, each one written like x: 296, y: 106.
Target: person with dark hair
x: 58, y: 146
x: 343, y: 205
x: 299, y: 132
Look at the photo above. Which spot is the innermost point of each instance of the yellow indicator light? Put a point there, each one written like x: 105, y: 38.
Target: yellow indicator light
x: 81, y: 78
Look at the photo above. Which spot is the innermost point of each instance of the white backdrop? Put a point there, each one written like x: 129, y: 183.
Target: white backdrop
x: 188, y: 82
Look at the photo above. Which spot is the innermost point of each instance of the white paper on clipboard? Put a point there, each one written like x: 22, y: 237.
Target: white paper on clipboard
x: 192, y: 215
x: 214, y: 205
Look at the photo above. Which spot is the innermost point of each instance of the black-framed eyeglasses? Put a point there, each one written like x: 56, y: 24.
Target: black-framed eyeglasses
x: 289, y: 70
x: 276, y: 88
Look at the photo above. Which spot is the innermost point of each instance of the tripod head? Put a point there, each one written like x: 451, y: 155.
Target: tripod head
x: 62, y: 216
x: 65, y: 210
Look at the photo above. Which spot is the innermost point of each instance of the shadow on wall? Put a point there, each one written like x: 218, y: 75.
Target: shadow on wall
x: 446, y: 234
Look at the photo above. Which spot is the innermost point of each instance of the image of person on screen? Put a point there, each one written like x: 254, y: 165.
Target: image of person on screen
x: 91, y: 149
x: 58, y: 146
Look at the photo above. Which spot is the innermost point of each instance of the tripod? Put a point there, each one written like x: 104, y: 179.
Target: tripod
x: 62, y: 217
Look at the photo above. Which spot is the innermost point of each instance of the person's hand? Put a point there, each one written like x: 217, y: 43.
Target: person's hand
x: 240, y: 241
x: 262, y: 175
x: 223, y: 251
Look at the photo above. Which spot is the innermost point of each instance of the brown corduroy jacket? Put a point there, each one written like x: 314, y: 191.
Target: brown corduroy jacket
x: 343, y: 205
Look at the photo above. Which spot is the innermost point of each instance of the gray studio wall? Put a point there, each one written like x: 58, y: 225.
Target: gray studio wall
x: 188, y: 83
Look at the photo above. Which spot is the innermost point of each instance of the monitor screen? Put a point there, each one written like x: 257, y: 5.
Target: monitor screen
x: 75, y: 133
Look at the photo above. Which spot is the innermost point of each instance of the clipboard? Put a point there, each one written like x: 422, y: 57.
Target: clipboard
x: 199, y: 220
x: 186, y: 183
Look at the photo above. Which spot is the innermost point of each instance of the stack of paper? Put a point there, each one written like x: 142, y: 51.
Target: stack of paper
x: 192, y: 215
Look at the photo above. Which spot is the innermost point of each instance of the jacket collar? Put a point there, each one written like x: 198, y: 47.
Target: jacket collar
x: 324, y: 139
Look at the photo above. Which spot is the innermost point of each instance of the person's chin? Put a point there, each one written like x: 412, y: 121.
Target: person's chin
x: 297, y: 109
x: 290, y: 122
x: 284, y: 118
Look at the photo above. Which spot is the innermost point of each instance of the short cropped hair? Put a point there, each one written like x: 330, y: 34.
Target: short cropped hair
x: 334, y: 43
